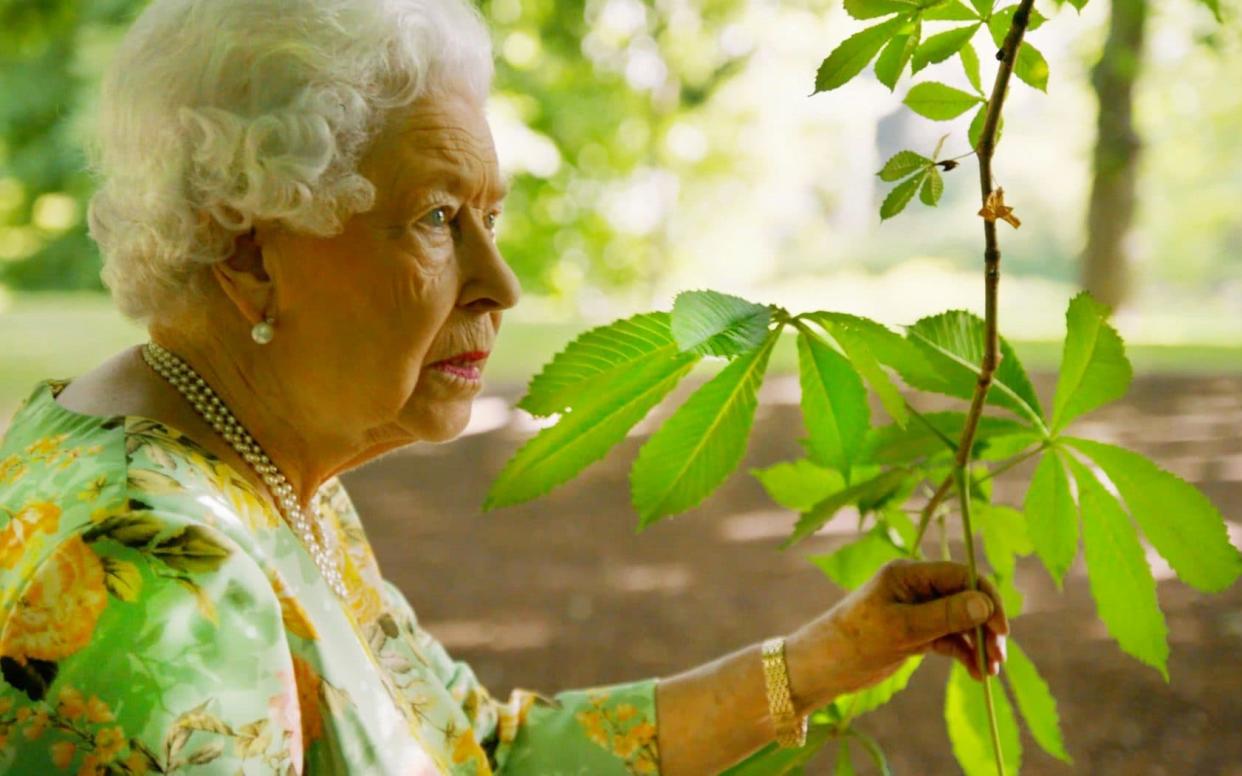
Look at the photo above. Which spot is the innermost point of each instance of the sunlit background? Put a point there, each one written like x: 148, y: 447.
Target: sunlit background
x: 661, y: 146
x: 666, y: 145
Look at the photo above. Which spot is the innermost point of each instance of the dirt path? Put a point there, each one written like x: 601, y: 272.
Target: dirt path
x: 563, y: 593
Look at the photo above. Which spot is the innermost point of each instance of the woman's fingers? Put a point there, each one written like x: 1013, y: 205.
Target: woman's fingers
x: 935, y: 599
x: 956, y: 613
x: 995, y: 645
x: 955, y: 646
x: 961, y: 647
x: 914, y: 582
x: 992, y: 640
x: 998, y: 623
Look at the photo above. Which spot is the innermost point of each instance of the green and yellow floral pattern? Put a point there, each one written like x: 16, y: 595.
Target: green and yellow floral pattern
x: 156, y: 616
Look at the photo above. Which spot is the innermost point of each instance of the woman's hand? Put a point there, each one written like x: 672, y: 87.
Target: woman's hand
x: 906, y: 609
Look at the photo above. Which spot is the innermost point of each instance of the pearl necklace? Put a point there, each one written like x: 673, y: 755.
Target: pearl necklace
x: 208, y: 404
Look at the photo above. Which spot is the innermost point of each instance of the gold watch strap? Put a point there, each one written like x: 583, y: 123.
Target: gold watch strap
x: 790, y: 729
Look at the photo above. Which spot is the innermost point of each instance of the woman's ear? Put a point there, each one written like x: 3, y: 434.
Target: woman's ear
x: 244, y: 278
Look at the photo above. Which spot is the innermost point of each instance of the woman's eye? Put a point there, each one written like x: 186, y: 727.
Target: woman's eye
x: 490, y: 219
x: 437, y: 218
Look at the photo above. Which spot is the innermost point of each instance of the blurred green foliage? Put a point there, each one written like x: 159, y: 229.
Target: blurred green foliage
x: 599, y: 83
x: 602, y: 92
x: 50, y: 56
x: 604, y: 82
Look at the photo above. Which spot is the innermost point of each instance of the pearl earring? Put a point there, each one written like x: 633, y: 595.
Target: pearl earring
x: 263, y: 332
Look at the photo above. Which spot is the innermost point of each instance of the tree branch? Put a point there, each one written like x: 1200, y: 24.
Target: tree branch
x: 925, y: 517
x: 1008, y: 54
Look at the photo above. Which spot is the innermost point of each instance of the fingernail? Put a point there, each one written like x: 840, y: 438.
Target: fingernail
x: 978, y: 607
x: 1000, y: 642
x: 995, y: 668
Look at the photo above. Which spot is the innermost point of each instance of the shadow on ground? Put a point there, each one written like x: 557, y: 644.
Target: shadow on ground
x: 563, y: 593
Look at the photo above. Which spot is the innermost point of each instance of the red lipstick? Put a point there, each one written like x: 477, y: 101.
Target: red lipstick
x: 463, y: 366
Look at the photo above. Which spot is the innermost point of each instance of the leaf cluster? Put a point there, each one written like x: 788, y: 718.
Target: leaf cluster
x: 898, y: 43
x: 1106, y: 498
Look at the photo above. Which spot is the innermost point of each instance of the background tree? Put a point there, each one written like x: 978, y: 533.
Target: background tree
x: 1118, y: 146
x: 1116, y: 158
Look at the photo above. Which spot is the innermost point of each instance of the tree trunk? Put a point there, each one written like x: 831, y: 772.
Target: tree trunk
x: 1117, y: 146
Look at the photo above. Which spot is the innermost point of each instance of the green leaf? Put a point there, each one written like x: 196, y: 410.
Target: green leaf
x: 901, y: 164
x: 704, y: 440
x: 870, y: 9
x: 799, y: 485
x: 967, y: 720
x: 896, y: 55
x: 951, y: 11
x: 1010, y: 595
x: 582, y: 436
x: 1005, y: 537
x: 855, y: 563
x: 1051, y: 519
x: 933, y: 187
x: 952, y: 342
x: 899, y: 197
x: 897, y: 521
x: 854, y: 705
x: 597, y: 358
x: 1121, y: 581
x: 1004, y: 446
x: 715, y: 324
x: 1035, y: 701
x: 1212, y: 5
x: 975, y: 132
x: 872, y: 489
x: 984, y: 7
x: 873, y: 749
x: 774, y: 760
x: 938, y: 101
x: 970, y: 65
x: 943, y: 45
x: 1094, y: 367
x: 844, y: 767
x: 1031, y: 67
x: 869, y: 344
x: 1002, y: 20
x: 834, y: 404
x: 1078, y: 4
x: 1180, y: 522
x: 893, y: 444
x: 848, y: 59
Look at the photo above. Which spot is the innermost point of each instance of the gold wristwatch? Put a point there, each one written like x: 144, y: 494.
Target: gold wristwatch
x: 790, y: 728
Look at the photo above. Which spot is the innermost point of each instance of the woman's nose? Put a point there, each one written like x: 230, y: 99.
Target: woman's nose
x: 489, y: 283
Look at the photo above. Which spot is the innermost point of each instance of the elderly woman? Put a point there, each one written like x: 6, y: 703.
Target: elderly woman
x: 299, y: 198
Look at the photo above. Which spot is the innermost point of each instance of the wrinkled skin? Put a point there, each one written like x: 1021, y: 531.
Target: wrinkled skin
x: 908, y: 608
x: 358, y: 316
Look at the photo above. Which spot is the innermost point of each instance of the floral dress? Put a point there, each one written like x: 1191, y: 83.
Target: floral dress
x: 156, y: 616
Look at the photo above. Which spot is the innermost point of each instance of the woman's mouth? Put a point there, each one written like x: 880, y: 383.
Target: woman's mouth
x: 459, y: 370
x: 466, y: 367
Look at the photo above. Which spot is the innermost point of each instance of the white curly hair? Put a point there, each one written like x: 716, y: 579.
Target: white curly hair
x: 218, y: 113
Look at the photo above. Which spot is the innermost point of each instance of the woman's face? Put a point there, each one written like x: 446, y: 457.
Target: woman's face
x: 414, y: 280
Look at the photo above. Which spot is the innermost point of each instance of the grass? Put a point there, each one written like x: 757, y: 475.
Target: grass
x: 63, y: 335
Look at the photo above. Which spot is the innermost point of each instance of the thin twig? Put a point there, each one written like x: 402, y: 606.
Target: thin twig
x: 926, y: 515
x: 1012, y: 462
x: 991, y: 354
x: 930, y: 427
x: 980, y: 645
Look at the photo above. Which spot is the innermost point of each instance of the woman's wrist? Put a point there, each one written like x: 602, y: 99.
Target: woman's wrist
x: 813, y: 664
